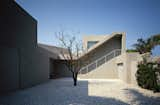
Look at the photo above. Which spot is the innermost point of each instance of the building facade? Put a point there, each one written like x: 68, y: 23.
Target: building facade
x: 25, y: 63
x: 109, y: 59
x: 22, y: 63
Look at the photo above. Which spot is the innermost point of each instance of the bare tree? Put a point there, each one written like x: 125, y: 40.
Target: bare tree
x: 72, y: 58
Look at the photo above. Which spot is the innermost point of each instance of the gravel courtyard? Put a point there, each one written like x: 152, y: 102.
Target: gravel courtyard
x: 88, y: 92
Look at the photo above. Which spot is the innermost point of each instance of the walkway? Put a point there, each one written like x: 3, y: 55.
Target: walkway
x: 88, y: 92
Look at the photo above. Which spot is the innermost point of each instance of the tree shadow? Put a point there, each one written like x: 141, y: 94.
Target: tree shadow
x: 57, y: 92
x: 142, y: 99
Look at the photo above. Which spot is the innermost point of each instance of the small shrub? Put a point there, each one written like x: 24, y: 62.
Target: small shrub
x: 147, y: 77
x: 131, y: 50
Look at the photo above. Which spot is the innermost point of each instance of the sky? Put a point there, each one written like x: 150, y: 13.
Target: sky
x: 138, y: 18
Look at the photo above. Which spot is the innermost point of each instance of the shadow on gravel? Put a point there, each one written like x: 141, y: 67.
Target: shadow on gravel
x: 142, y: 99
x: 57, y: 92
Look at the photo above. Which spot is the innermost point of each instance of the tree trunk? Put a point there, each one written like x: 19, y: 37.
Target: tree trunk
x: 75, y: 79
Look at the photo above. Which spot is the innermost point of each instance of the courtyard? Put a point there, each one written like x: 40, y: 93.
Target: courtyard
x: 88, y: 92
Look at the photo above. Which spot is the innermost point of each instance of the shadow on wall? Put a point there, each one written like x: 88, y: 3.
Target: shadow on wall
x: 60, y: 69
x: 142, y: 99
x: 57, y: 92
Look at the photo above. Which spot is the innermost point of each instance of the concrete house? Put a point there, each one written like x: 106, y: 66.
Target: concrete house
x: 106, y: 48
x: 24, y: 62
x: 109, y: 59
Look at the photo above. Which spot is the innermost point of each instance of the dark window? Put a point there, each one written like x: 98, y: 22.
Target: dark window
x: 91, y: 43
x: 120, y: 64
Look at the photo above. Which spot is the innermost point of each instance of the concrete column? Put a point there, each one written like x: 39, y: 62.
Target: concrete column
x: 123, y: 43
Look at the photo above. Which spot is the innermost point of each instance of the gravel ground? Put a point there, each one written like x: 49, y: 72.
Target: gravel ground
x: 88, y: 92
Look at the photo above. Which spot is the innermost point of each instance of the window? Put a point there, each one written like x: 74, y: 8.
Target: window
x: 91, y: 43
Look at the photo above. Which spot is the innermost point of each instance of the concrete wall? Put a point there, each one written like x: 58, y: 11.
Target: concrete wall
x: 105, y: 71
x: 122, y: 67
x: 34, y: 67
x: 92, y: 38
x: 60, y: 69
x: 22, y: 62
x: 17, y: 27
x: 109, y: 69
x: 130, y: 61
x: 110, y: 45
x: 9, y: 69
x: 122, y: 73
x: 133, y: 59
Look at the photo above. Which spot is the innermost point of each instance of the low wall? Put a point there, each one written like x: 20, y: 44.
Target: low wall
x: 105, y: 71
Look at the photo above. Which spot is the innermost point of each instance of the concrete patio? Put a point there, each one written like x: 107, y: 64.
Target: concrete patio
x: 88, y: 92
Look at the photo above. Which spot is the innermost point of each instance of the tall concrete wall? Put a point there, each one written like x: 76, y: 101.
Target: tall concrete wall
x: 9, y: 69
x: 22, y: 62
x: 17, y: 27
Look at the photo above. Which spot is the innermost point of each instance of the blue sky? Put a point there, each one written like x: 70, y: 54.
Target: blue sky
x: 138, y: 18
